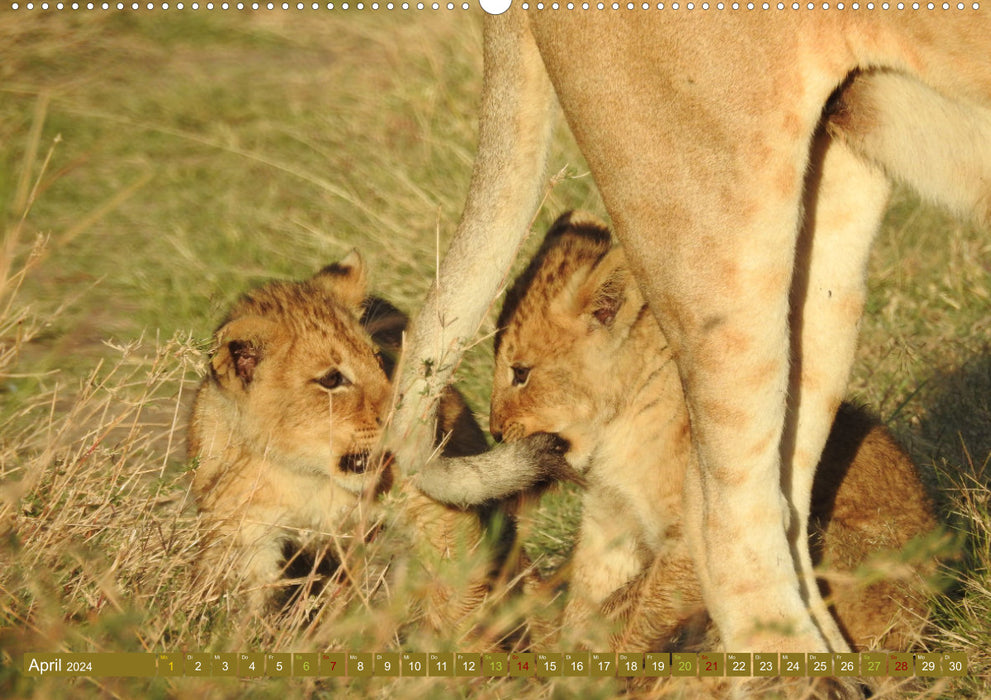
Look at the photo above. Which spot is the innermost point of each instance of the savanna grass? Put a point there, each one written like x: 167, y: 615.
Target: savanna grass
x: 154, y: 166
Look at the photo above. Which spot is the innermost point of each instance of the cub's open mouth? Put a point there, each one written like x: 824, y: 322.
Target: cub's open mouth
x: 354, y: 463
x: 361, y: 462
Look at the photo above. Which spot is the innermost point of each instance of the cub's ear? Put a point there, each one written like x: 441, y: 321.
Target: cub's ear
x: 241, y: 346
x: 384, y: 323
x: 572, y: 244
x: 609, y: 295
x: 581, y: 225
x: 346, y: 280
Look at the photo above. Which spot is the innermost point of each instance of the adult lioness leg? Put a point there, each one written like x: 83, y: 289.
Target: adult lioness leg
x: 873, y: 119
x: 717, y: 271
x: 845, y: 200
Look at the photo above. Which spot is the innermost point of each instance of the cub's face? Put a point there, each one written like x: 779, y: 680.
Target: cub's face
x: 562, y: 340
x: 300, y: 376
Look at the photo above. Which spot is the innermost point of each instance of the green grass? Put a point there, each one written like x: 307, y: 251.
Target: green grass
x: 158, y: 165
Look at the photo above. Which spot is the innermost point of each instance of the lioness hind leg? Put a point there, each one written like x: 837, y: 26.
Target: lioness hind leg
x: 939, y: 146
x: 845, y: 200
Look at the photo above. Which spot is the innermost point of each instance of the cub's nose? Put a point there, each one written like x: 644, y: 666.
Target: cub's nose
x: 514, y: 432
x: 495, y: 424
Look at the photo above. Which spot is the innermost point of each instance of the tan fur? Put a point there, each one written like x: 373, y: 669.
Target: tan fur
x: 579, y: 355
x: 747, y: 222
x: 283, y: 432
x: 273, y: 445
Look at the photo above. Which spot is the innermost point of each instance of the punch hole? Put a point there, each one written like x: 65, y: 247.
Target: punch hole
x: 496, y: 7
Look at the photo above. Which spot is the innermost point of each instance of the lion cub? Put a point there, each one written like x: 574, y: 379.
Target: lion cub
x: 285, y: 426
x: 579, y: 354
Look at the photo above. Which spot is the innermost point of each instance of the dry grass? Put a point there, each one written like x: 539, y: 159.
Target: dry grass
x: 160, y: 167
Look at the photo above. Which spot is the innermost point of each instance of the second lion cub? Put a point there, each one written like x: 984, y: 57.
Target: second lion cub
x: 579, y: 354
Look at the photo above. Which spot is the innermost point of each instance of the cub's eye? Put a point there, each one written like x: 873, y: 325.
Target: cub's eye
x: 333, y: 380
x: 520, y: 375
